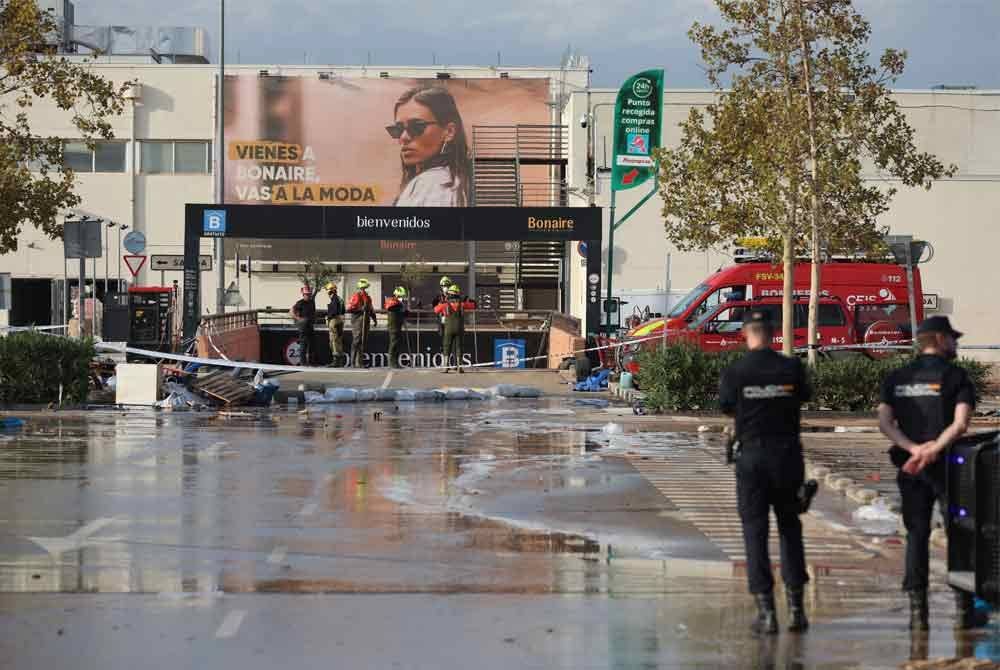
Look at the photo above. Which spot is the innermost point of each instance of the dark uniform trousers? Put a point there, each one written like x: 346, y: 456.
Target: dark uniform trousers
x: 306, y: 333
x: 919, y: 494
x: 359, y: 338
x: 769, y: 473
x: 394, y: 326
x: 454, y: 331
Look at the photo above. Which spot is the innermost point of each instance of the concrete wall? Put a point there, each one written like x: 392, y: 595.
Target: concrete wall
x: 564, y: 339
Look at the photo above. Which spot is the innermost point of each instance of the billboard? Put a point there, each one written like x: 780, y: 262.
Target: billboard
x: 386, y: 142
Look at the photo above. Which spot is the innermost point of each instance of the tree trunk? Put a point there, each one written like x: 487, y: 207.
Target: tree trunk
x: 814, y: 290
x: 788, y: 297
x: 815, y: 275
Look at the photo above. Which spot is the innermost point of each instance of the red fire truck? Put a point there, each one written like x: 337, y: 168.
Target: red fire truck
x: 870, y: 298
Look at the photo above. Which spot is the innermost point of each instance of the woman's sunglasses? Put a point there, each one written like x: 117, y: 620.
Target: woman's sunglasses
x: 413, y: 127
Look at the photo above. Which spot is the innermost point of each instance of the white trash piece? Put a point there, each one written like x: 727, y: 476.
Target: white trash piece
x: 876, y: 519
x: 612, y: 429
x: 341, y: 395
x: 137, y: 384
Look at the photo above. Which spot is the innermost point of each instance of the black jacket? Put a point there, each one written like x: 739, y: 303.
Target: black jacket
x: 335, y: 307
x: 765, y: 391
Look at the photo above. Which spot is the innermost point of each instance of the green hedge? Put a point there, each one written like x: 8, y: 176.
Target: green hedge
x: 33, y: 365
x: 683, y: 378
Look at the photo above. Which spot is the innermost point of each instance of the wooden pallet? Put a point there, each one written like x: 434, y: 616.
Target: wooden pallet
x: 224, y: 388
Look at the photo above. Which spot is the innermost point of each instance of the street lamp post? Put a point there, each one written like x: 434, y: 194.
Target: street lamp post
x: 220, y: 153
x: 107, y: 253
x: 120, y: 229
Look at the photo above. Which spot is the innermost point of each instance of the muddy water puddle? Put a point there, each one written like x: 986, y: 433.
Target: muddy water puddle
x: 444, y: 497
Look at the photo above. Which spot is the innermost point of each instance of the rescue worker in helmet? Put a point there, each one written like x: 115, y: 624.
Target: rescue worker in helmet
x: 453, y: 312
x: 303, y: 313
x: 335, y: 322
x: 440, y: 298
x: 395, y: 307
x: 362, y: 312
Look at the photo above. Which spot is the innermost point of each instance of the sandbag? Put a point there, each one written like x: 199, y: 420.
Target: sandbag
x: 504, y: 391
x: 455, y: 394
x: 406, y: 395
x: 313, y: 397
x: 367, y: 395
x: 341, y: 395
x: 385, y: 395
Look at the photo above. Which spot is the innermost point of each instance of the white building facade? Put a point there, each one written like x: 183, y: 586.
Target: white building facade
x: 162, y: 158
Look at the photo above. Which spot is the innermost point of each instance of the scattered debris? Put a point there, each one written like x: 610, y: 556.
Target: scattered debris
x: 876, y: 518
x: 595, y: 382
x: 225, y: 388
x: 10, y: 423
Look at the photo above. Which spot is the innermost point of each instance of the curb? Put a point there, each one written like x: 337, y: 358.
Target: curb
x: 627, y: 395
x: 848, y: 488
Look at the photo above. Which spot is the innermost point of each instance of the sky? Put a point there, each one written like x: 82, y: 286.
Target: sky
x: 949, y: 41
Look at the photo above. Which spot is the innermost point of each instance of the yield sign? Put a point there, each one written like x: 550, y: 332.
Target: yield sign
x: 134, y: 263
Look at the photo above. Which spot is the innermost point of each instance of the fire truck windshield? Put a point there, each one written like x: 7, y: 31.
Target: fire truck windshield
x: 687, y: 301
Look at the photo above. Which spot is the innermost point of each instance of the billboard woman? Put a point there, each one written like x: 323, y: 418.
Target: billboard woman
x: 433, y: 150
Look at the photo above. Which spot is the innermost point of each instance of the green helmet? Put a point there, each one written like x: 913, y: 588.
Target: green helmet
x: 363, y: 283
x: 454, y: 290
x: 399, y: 292
x: 445, y: 282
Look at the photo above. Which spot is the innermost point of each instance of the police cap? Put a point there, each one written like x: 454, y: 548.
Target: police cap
x: 938, y: 324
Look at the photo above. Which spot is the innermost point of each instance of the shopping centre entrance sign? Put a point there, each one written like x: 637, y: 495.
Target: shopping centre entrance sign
x: 315, y: 222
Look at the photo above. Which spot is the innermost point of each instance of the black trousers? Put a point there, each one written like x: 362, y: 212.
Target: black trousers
x: 306, y: 344
x: 768, y: 476
x: 395, y: 337
x: 453, y: 347
x: 919, y: 494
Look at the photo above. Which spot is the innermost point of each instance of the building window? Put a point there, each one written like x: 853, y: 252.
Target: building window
x: 4, y: 290
x: 106, y: 156
x: 176, y: 157
x: 109, y: 157
x: 157, y: 157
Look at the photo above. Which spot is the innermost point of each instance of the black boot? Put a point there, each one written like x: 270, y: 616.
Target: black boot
x: 796, y: 611
x: 766, y: 621
x: 918, y: 610
x: 966, y: 614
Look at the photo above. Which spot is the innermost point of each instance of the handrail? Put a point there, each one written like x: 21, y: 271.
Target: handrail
x: 221, y: 323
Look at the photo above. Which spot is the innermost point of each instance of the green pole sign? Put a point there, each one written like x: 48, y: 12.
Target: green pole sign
x: 638, y: 112
x: 637, y: 129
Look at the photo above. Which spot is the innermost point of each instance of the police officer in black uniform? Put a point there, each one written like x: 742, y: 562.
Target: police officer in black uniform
x: 925, y: 407
x: 764, y: 390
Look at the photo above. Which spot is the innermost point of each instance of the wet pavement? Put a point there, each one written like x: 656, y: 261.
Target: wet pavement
x: 504, y: 534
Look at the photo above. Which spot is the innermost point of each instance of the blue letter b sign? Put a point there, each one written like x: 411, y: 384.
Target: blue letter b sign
x: 215, y: 222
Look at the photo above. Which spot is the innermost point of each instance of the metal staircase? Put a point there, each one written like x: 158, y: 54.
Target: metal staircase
x: 496, y: 182
x: 518, y: 166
